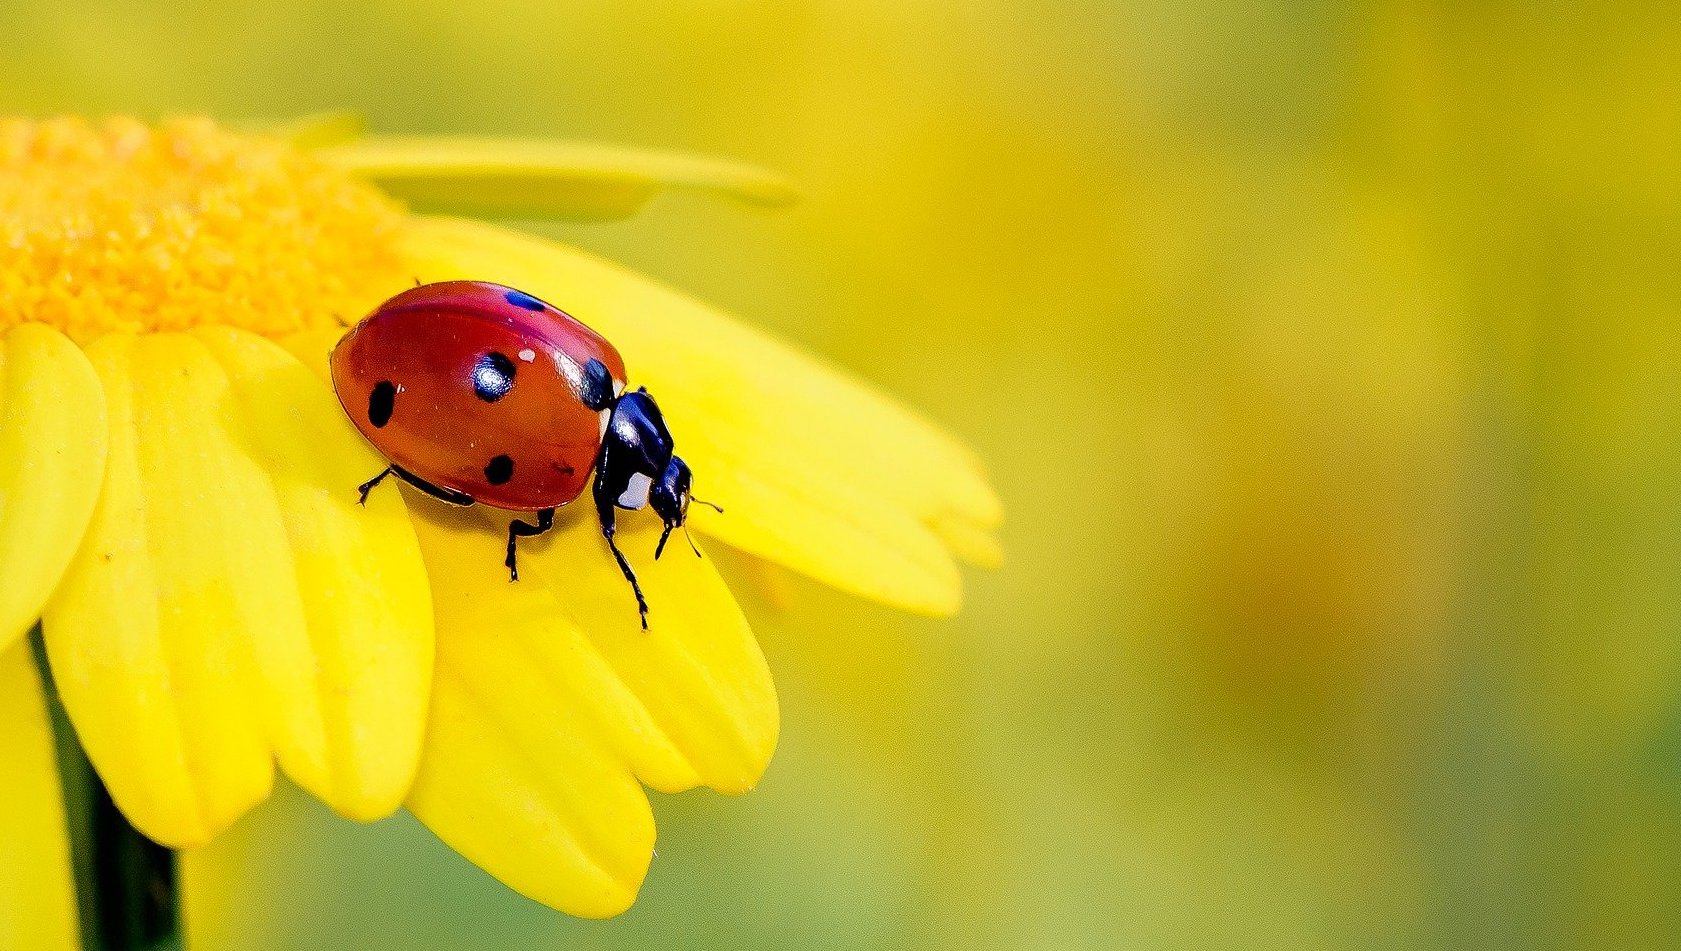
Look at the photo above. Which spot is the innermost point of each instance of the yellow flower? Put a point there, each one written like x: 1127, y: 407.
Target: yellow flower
x: 178, y: 509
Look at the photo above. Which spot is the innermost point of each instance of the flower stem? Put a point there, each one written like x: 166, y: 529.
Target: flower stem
x: 125, y: 882
x: 134, y: 881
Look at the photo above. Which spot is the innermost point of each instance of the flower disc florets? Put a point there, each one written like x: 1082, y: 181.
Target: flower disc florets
x: 122, y: 226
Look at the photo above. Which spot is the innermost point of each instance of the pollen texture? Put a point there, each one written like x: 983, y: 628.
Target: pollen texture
x: 118, y: 225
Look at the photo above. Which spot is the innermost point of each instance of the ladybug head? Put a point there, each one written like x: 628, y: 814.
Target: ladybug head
x: 639, y: 467
x: 670, y: 497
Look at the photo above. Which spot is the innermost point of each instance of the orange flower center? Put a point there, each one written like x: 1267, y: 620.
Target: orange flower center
x: 118, y: 226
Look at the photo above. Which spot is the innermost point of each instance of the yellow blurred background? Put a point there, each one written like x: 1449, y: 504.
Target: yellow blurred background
x: 1326, y: 355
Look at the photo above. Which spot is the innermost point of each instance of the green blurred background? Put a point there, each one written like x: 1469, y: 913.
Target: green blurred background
x: 1326, y: 355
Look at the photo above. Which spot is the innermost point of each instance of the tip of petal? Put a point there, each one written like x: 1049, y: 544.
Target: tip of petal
x: 968, y: 541
x: 604, y: 904
x: 970, y: 492
x: 944, y: 605
x: 365, y: 809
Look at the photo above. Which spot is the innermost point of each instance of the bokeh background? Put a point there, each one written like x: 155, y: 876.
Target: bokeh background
x: 1326, y: 353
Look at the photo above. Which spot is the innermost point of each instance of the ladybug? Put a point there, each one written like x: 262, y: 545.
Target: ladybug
x: 479, y: 393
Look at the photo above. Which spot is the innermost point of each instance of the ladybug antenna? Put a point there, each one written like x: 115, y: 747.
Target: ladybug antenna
x: 692, y: 546
x: 711, y: 505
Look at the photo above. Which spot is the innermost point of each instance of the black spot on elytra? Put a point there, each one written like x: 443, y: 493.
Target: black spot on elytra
x: 500, y: 470
x: 493, y: 377
x: 522, y: 299
x: 381, y: 402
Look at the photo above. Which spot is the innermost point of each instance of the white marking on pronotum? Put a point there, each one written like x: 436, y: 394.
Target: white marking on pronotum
x: 635, y: 494
x: 527, y: 355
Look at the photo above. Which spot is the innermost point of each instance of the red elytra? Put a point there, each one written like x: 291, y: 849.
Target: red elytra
x: 476, y: 392
x: 478, y: 389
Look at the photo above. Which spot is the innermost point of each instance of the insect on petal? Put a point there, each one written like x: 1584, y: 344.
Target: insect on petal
x: 817, y: 471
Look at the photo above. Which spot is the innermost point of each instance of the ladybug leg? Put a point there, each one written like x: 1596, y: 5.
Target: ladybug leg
x: 518, y: 529
x: 435, y: 491
x: 369, y: 485
x: 605, y: 494
x: 630, y: 575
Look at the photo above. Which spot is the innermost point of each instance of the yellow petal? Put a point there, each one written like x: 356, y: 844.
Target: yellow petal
x: 968, y: 540
x: 364, y: 589
x: 179, y: 561
x: 52, y: 459
x: 534, y: 178
x: 37, y: 894
x: 774, y: 587
x: 551, y: 701
x: 313, y: 348
x: 186, y: 656
x: 541, y: 807
x: 817, y: 471
x: 697, y: 670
